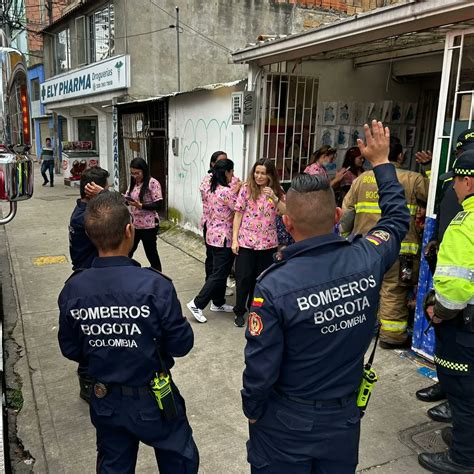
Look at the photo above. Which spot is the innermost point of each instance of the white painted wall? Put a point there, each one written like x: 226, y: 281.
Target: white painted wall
x: 202, y: 122
x: 339, y: 80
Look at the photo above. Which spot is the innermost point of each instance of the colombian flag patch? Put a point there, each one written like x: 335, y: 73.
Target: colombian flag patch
x: 258, y: 302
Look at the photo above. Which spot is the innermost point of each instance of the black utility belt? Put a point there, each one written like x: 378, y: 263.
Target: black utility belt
x: 336, y: 402
x: 101, y: 390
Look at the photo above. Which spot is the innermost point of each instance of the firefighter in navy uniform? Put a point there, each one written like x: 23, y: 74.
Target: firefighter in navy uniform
x: 451, y: 308
x: 311, y: 322
x: 126, y: 324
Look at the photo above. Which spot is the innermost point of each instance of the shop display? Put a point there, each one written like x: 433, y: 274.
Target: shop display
x: 76, y: 158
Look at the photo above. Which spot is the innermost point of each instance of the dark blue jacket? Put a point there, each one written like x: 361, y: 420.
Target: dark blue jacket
x: 314, y: 312
x: 81, y: 249
x: 115, y: 314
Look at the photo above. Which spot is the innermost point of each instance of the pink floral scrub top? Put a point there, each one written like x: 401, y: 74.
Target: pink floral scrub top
x: 258, y: 228
x: 143, y: 219
x: 221, y: 205
x: 204, y: 190
x: 316, y: 168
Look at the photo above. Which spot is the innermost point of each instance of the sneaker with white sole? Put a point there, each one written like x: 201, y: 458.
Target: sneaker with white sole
x: 196, y: 312
x: 239, y: 321
x: 225, y: 308
x: 229, y: 291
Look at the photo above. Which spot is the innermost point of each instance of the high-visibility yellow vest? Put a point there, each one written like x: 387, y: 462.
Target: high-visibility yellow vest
x: 454, y: 276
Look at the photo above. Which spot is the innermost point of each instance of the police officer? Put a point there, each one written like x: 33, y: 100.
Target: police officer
x: 81, y: 250
x: 311, y: 322
x: 361, y: 209
x: 453, y: 315
x: 448, y: 207
x: 126, y: 324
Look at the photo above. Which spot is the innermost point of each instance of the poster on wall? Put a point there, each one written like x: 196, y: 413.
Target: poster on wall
x: 327, y: 137
x: 410, y: 136
x: 344, y: 113
x: 329, y: 113
x: 397, y: 112
x: 343, y: 137
x: 355, y: 133
x: 410, y: 113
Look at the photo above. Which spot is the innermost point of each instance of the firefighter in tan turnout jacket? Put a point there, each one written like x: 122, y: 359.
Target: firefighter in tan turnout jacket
x: 361, y: 212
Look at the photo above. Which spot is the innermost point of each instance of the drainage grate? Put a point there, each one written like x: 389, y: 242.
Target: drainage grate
x: 424, y: 438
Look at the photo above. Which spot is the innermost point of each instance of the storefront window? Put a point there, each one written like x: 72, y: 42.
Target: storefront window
x: 63, y: 51
x: 102, y: 32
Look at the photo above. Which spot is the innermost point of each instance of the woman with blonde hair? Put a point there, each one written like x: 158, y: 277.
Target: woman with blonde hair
x: 254, y: 236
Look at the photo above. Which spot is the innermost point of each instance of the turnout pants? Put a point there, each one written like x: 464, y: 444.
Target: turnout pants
x: 248, y: 266
x: 305, y: 439
x: 393, y: 310
x: 454, y: 357
x: 148, y: 237
x: 122, y: 421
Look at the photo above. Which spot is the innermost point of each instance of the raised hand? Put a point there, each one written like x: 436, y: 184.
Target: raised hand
x: 377, y: 145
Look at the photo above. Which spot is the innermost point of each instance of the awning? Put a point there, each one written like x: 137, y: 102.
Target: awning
x: 419, y: 23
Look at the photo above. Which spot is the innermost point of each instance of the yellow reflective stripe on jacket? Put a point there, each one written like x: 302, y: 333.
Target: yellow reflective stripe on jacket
x: 373, y: 208
x: 409, y: 248
x: 367, y: 208
x: 393, y: 326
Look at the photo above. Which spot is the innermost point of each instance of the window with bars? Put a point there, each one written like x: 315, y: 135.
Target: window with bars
x: 288, y: 122
x: 63, y: 51
x: 102, y: 33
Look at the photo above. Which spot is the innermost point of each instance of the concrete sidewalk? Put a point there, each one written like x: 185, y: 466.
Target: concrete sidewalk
x: 54, y: 423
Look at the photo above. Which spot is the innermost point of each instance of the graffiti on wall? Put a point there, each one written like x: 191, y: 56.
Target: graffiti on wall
x: 200, y: 138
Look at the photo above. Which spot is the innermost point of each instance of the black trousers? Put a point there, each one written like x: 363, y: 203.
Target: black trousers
x: 48, y: 166
x: 214, y: 288
x: 148, y: 237
x: 248, y: 266
x: 455, y: 367
x: 208, y: 265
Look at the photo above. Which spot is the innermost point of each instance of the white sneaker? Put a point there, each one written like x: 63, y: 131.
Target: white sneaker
x: 230, y: 282
x: 229, y: 291
x: 196, y: 312
x: 225, y: 308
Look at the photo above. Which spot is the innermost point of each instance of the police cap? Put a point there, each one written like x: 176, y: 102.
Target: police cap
x: 463, y: 166
x: 465, y: 140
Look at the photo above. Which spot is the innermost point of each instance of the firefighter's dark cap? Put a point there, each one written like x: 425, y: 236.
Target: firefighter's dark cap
x: 463, y: 166
x: 465, y: 140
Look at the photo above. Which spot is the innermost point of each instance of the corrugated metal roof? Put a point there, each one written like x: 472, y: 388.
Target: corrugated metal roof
x: 208, y: 87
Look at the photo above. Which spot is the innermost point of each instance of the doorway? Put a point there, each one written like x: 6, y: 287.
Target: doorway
x: 87, y: 129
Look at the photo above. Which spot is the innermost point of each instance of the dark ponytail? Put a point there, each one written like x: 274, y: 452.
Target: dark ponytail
x: 218, y: 176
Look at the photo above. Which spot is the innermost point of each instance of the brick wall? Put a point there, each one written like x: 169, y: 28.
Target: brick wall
x: 37, y: 18
x: 350, y: 7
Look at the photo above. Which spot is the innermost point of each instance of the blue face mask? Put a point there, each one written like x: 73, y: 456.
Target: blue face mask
x: 329, y: 166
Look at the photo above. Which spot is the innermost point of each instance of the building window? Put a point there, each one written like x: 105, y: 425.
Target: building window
x: 101, y: 33
x: 63, y: 51
x: 35, y: 89
x: 81, y: 40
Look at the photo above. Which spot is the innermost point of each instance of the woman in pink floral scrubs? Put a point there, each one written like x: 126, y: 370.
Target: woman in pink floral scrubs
x: 144, y: 193
x: 220, y: 198
x: 204, y: 190
x: 254, y: 238
x: 321, y: 157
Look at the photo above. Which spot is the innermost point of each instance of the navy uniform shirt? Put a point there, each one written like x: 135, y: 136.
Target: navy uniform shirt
x: 314, y: 312
x: 114, y: 314
x: 81, y: 249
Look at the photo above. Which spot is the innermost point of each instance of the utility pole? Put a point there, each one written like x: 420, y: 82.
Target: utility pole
x: 177, y: 47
